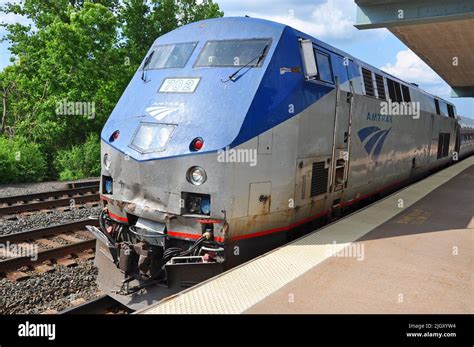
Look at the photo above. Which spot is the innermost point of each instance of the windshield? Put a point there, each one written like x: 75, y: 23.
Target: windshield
x: 232, y: 53
x: 171, y: 56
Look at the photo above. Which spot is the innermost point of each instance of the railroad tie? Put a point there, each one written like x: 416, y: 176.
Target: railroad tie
x: 85, y: 233
x: 87, y: 255
x: 69, y: 238
x: 43, y: 268
x: 48, y: 243
x: 17, y: 276
x: 67, y: 262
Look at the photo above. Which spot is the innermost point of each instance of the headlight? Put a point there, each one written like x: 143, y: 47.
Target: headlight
x: 196, y: 175
x: 106, y: 161
x: 152, y: 137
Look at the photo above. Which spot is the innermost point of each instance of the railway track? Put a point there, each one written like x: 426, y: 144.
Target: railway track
x: 45, y: 200
x: 90, y: 183
x: 40, y: 249
x: 101, y: 305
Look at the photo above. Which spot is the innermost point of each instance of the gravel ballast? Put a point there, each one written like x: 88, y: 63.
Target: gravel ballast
x: 37, y: 187
x: 49, y: 291
x: 37, y: 220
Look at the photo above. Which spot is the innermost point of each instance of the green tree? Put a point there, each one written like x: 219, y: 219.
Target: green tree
x: 80, y: 161
x: 20, y: 161
x: 79, y: 51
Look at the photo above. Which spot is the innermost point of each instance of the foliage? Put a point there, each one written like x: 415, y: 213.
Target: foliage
x: 79, y: 51
x: 20, y: 161
x: 80, y: 161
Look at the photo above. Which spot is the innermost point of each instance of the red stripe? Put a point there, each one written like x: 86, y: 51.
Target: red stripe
x: 105, y: 198
x: 121, y: 219
x: 309, y: 219
x: 353, y: 201
x: 184, y: 235
x: 260, y: 233
x: 276, y: 230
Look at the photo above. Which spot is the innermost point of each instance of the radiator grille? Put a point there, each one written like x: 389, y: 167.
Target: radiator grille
x: 368, y: 83
x: 319, y: 179
x: 380, y: 86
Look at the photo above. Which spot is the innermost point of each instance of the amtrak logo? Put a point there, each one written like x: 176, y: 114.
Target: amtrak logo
x: 160, y: 111
x: 374, y: 139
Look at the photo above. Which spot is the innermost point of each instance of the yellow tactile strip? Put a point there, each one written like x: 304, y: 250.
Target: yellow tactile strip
x: 237, y: 290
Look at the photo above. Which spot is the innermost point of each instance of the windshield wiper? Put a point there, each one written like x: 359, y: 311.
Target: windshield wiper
x: 146, y: 63
x: 258, y: 58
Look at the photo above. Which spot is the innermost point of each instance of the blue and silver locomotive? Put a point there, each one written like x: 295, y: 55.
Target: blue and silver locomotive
x: 238, y: 134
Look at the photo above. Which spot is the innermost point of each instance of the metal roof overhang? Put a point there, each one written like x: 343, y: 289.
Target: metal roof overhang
x: 440, y: 32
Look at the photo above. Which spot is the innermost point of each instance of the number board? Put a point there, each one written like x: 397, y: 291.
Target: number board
x: 179, y: 85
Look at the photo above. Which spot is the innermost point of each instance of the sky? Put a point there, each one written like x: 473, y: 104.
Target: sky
x: 331, y: 21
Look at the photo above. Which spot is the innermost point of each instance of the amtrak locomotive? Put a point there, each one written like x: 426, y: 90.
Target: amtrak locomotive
x: 238, y: 134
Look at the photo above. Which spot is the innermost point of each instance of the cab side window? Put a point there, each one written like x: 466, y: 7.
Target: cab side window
x: 323, y: 62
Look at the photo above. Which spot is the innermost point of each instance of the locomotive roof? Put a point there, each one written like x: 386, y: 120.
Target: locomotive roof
x: 242, y: 23
x: 466, y: 122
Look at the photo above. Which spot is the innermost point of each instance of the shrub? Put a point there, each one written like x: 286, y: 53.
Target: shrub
x: 80, y: 161
x: 21, y: 161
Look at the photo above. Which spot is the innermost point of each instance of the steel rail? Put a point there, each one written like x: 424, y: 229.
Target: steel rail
x: 51, y: 230
x: 49, y: 194
x: 12, y: 264
x: 48, y: 203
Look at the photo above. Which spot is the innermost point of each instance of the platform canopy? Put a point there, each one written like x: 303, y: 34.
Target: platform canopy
x: 440, y: 32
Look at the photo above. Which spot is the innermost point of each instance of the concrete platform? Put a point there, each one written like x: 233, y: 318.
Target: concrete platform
x: 412, y: 252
